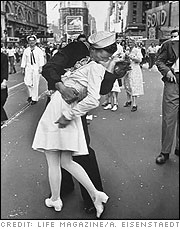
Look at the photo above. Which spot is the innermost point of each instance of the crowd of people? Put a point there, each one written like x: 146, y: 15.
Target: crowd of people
x: 78, y: 74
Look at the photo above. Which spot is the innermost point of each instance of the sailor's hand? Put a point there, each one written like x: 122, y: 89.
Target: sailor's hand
x: 171, y: 77
x: 69, y: 94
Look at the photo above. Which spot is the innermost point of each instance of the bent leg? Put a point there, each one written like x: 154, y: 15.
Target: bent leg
x: 78, y: 172
x: 89, y: 163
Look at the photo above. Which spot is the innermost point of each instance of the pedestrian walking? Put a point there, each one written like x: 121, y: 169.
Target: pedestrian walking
x: 48, y: 53
x: 11, y: 57
x: 55, y: 49
x: 4, y: 90
x: 52, y: 72
x: 31, y: 65
x: 168, y: 64
x: 60, y: 132
x: 143, y: 52
x: 151, y: 53
x: 3, y: 49
x: 111, y: 99
x: 17, y: 54
x: 133, y: 81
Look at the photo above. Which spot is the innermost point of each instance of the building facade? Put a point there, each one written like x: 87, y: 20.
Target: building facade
x: 143, y: 19
x: 133, y: 18
x: 74, y: 19
x: 162, y: 19
x: 22, y: 18
x: 92, y: 25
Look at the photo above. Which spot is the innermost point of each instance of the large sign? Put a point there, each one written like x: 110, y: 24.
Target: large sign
x: 158, y: 16
x: 74, y: 23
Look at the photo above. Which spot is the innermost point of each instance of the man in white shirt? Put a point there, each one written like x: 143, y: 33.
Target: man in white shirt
x: 151, y: 52
x: 31, y: 64
x: 11, y: 58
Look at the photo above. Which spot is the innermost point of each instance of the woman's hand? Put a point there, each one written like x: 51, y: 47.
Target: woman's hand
x: 62, y: 122
x: 112, y: 62
x: 69, y: 94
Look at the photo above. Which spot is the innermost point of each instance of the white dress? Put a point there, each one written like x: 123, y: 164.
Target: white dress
x: 133, y: 81
x: 86, y: 80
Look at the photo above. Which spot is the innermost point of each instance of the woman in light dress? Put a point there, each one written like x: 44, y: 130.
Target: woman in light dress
x: 133, y: 81
x: 111, y: 99
x: 60, y: 133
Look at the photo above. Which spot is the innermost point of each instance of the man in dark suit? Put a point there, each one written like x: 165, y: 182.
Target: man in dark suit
x: 52, y: 71
x: 168, y: 64
x: 4, y: 90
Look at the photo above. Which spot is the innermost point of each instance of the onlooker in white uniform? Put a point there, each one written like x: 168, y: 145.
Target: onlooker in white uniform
x: 31, y: 64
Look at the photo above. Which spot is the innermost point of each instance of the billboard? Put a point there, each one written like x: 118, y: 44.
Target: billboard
x: 74, y: 23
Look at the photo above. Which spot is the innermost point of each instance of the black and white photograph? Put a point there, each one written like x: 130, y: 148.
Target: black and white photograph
x: 89, y: 114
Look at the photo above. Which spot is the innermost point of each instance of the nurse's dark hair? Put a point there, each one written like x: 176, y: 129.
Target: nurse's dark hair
x: 111, y: 48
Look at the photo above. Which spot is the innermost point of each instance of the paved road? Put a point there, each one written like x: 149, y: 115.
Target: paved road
x: 126, y: 144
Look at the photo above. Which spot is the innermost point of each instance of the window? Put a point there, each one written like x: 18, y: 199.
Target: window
x: 26, y: 17
x: 20, y: 13
x: 15, y: 9
x: 34, y: 17
x: 39, y: 19
x: 144, y: 18
x: 134, y: 12
x: 134, y: 20
x: 134, y: 4
x: 29, y: 17
x: 7, y: 9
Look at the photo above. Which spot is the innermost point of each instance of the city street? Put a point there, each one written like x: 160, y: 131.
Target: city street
x: 126, y: 145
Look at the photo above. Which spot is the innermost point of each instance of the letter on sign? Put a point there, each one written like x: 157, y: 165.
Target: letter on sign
x: 163, y: 17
